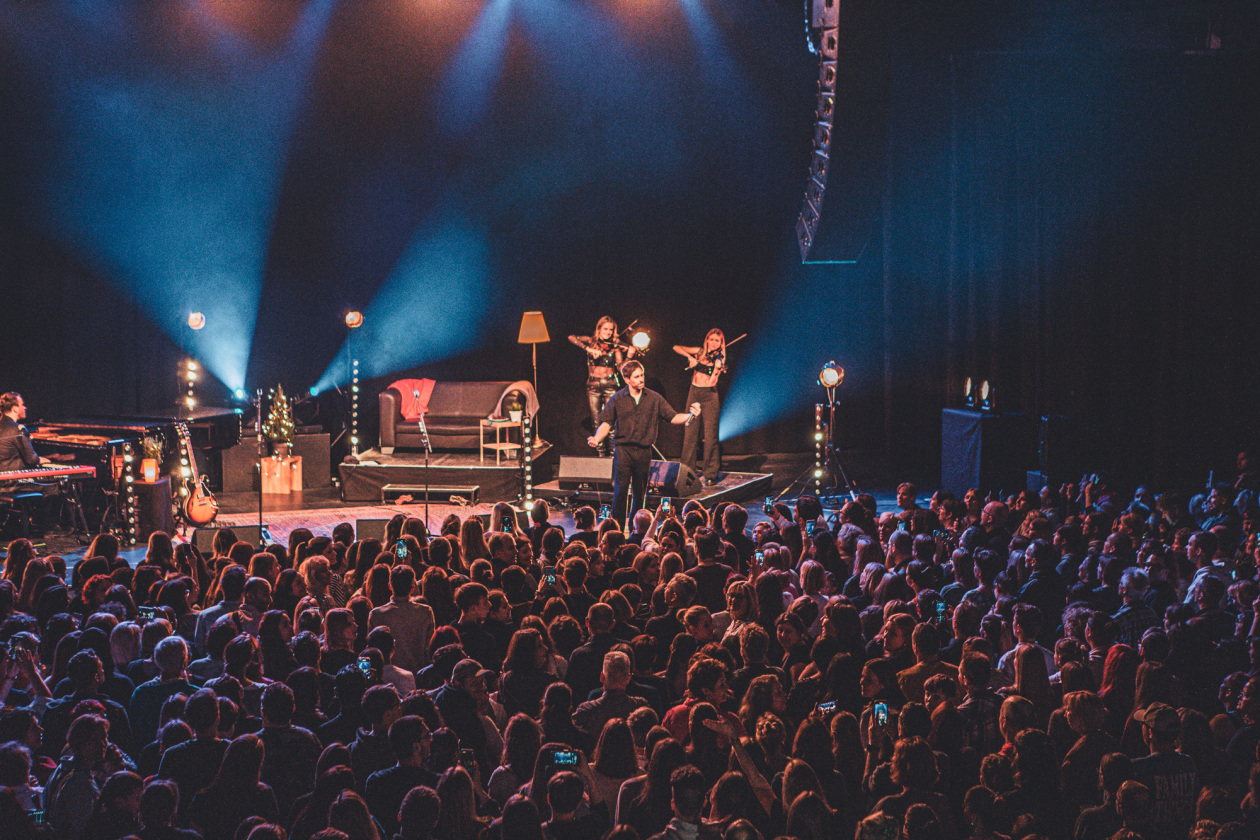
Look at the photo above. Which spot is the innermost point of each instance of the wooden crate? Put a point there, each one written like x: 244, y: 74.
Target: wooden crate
x: 282, y: 476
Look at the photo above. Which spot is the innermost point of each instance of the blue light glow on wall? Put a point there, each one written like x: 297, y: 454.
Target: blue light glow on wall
x: 803, y: 328
x: 160, y: 158
x: 437, y: 303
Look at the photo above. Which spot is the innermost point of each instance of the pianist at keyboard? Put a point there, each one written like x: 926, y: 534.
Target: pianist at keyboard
x: 16, y: 452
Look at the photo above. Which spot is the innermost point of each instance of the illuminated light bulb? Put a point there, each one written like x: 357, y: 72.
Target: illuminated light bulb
x: 190, y: 402
x: 128, y: 459
x: 641, y: 340
x: 818, y: 435
x: 354, y: 440
x: 529, y: 505
x: 817, y: 473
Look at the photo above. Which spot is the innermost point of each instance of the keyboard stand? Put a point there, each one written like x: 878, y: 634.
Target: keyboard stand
x: 78, y: 520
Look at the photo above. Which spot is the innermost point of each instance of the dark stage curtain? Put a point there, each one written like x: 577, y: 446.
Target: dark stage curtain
x: 1079, y: 230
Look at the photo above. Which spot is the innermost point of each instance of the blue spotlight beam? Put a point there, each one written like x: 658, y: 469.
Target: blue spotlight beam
x: 437, y: 303
x: 165, y: 179
x: 777, y: 376
x: 464, y: 95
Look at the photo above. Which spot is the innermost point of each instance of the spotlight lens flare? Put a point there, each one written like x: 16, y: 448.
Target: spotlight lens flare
x: 196, y: 320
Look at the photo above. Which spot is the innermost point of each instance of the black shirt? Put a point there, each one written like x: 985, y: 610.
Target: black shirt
x: 192, y: 766
x: 386, y: 789
x: 636, y: 424
x: 711, y: 584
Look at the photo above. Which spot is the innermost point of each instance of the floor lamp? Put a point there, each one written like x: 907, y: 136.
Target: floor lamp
x: 533, y: 331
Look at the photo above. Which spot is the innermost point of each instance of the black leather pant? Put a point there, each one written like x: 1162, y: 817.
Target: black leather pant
x: 708, y: 420
x: 599, y: 390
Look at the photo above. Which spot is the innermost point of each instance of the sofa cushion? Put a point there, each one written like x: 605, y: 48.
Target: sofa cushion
x: 464, y: 400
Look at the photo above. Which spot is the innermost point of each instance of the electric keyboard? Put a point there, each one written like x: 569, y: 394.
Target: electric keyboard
x: 74, y: 472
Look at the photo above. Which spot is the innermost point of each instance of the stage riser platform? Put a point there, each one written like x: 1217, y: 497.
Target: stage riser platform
x: 362, y: 482
x: 732, y: 487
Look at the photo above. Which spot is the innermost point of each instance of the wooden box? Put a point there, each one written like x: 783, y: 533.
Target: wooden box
x: 282, y: 476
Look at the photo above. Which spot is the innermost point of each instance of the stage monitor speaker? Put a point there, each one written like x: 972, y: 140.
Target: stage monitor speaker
x: 673, y: 478
x: 593, y: 473
x: 370, y: 529
x: 522, y: 520
x: 203, y: 538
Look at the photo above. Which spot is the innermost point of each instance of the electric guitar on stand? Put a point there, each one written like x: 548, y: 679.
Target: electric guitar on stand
x: 199, y: 506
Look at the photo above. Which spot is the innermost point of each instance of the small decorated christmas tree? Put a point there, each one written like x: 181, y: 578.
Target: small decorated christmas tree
x: 279, y: 426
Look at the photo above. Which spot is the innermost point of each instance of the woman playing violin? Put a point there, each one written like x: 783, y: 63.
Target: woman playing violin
x: 706, y: 364
x: 604, y: 354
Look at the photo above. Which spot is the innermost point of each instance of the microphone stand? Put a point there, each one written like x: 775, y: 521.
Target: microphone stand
x: 428, y: 447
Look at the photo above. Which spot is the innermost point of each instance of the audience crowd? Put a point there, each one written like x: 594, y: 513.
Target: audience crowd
x: 1071, y: 664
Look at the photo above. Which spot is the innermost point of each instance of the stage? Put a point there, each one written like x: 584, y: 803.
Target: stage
x: 378, y: 476
x: 738, y: 487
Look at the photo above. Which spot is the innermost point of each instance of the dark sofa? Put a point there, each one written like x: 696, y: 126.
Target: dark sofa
x: 455, y: 412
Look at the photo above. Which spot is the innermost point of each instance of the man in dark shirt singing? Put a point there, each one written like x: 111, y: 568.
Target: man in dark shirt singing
x: 636, y: 413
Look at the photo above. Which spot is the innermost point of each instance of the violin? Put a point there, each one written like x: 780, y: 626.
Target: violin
x: 612, y: 344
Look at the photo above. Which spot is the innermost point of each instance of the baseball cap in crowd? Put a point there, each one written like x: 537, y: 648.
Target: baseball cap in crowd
x: 1162, y: 719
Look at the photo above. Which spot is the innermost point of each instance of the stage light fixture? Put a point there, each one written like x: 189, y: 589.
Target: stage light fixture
x: 986, y: 396
x: 641, y: 340
x: 831, y: 375
x: 969, y: 393
x: 240, y: 394
x: 818, y: 444
x: 354, y: 319
x: 127, y: 498
x: 527, y: 474
x: 191, y: 375
x: 196, y: 320
x: 354, y: 407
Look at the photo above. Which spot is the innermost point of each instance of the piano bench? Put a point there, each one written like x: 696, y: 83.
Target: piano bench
x: 21, y: 504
